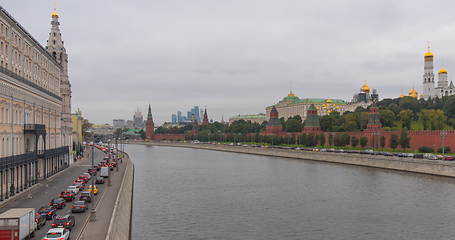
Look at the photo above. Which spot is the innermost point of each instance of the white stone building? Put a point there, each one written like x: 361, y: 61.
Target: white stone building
x: 442, y: 87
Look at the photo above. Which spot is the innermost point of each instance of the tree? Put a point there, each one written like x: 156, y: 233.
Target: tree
x: 354, y: 141
x: 410, y: 103
x: 86, y: 125
x: 322, y: 139
x: 293, y: 125
x: 394, y: 141
x: 363, y: 142
x: 350, y: 122
x: 405, y: 140
x: 387, y: 117
x: 425, y: 149
x: 406, y: 117
x: 382, y: 142
x: 330, y: 139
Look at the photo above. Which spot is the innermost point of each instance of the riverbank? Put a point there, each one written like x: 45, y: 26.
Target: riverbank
x: 440, y: 168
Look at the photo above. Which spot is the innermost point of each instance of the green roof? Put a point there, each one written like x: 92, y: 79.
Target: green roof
x: 295, y: 100
x: 249, y: 116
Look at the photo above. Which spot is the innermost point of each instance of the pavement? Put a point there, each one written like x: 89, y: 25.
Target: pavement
x: 42, y: 193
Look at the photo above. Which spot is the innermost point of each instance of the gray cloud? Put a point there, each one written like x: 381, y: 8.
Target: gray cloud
x: 238, y: 56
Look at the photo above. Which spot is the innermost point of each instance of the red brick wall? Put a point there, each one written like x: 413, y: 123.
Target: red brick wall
x: 171, y: 137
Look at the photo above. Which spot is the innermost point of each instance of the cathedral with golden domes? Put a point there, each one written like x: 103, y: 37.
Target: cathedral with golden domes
x: 430, y: 88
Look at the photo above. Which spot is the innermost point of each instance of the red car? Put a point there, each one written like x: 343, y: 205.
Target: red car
x: 449, y: 158
x: 83, y: 178
x: 68, y: 196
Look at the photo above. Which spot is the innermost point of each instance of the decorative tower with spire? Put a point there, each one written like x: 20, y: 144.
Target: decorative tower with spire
x: 205, y: 119
x: 428, y: 74
x: 273, y: 126
x: 55, y: 46
x: 149, y: 125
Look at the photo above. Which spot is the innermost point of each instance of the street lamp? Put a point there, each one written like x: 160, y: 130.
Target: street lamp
x: 93, y: 210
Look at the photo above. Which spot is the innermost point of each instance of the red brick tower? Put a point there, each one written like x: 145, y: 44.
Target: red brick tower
x: 205, y: 120
x: 274, y: 126
x: 149, y: 125
x: 312, y: 123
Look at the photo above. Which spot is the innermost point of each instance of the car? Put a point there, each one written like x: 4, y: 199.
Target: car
x: 57, y: 233
x: 89, y: 189
x: 67, y: 195
x: 40, y: 220
x: 83, y: 178
x: 66, y: 221
x: 88, y: 175
x: 86, y: 196
x: 99, y: 180
x: 448, y: 158
x: 58, y: 203
x: 80, y: 186
x: 78, y: 180
x: 47, y: 211
x: 73, y: 189
x: 79, y: 206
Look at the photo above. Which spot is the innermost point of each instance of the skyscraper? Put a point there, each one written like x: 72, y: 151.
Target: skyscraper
x: 174, y: 118
x: 179, y: 117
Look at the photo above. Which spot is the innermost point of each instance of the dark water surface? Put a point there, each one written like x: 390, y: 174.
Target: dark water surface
x: 199, y: 194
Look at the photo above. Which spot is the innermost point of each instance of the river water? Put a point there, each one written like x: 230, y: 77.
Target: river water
x: 198, y: 194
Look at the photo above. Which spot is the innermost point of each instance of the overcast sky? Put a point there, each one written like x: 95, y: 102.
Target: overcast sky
x: 238, y: 56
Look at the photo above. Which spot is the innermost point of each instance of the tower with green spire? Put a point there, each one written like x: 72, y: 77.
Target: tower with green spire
x: 312, y: 121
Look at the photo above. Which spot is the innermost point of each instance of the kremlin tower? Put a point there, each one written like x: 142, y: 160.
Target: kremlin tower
x: 205, y: 120
x: 149, y: 125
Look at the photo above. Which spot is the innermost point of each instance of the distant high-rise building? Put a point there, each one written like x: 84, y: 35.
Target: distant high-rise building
x: 118, y: 123
x: 179, y: 117
x: 138, y: 120
x: 196, y: 113
x: 174, y: 118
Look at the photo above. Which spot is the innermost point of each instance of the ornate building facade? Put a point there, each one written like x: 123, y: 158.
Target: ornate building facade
x: 35, y: 106
x: 430, y: 88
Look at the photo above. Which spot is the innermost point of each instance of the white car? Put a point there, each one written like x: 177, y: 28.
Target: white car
x: 73, y: 189
x: 87, y: 174
x: 57, y: 233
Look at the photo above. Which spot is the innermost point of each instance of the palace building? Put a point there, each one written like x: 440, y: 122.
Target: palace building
x: 430, y: 88
x: 35, y: 106
x: 292, y: 105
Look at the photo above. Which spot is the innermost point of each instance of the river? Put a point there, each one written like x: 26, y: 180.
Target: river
x: 199, y: 194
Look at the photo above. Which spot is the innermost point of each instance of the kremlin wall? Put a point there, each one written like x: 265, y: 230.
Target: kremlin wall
x: 311, y: 109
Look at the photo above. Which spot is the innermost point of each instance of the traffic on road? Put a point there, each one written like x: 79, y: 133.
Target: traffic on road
x: 56, y: 218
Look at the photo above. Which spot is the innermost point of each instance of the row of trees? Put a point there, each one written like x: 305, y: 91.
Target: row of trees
x: 310, y: 140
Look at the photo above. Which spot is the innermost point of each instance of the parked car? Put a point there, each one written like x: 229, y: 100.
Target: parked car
x: 40, y: 220
x: 58, y: 203
x: 66, y: 221
x: 85, y: 196
x: 80, y: 186
x: 99, y: 180
x: 418, y: 155
x: 79, y: 206
x: 448, y: 158
x: 57, y: 233
x: 47, y: 211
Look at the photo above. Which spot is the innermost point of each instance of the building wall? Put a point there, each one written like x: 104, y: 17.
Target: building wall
x: 30, y: 90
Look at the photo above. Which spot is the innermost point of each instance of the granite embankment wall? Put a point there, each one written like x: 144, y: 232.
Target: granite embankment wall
x: 402, y: 164
x: 120, y: 225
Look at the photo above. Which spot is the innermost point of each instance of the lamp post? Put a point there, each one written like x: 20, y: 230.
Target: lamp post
x: 93, y: 210
x: 443, y: 134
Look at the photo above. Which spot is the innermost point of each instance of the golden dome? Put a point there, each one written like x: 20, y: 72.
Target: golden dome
x: 428, y: 54
x: 442, y: 70
x: 54, y: 13
x: 328, y: 100
x: 365, y: 88
x: 290, y: 94
x: 413, y: 93
x: 402, y: 95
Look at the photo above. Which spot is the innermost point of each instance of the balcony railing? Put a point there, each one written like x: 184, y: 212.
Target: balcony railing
x: 28, y: 82
x: 56, y: 151
x: 12, y: 161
